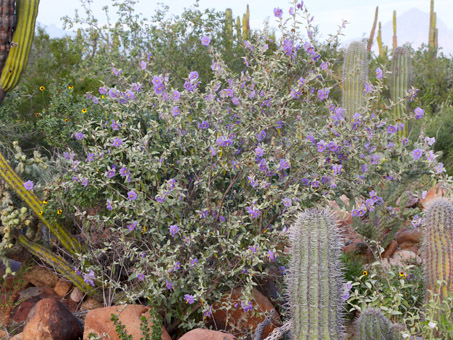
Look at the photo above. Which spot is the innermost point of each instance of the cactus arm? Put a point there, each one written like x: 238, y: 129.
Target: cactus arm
x: 238, y: 29
x: 355, y: 74
x: 57, y: 262
x: 7, y: 23
x: 373, y: 30
x: 8, y: 174
x: 379, y: 41
x: 315, y: 280
x: 229, y: 27
x: 400, y: 82
x: 27, y: 10
x: 395, y: 40
x: 438, y: 247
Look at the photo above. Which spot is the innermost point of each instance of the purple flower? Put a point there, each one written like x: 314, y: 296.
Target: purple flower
x: 271, y: 255
x: 132, y: 226
x: 314, y: 184
x: 321, y: 146
x: 259, y: 152
x: 173, y: 230
x: 224, y: 141
x: 368, y: 88
x: 419, y: 113
x: 88, y: 278
x: 176, y: 95
x: 260, y: 136
x: 391, y: 129
x: 103, y: 90
x: 111, y: 173
x: 132, y: 195
x: 424, y: 193
x: 117, y: 141
x: 253, y: 213
x: 175, y: 111
x: 136, y: 87
x: 247, y: 307
x: 287, y: 202
x: 143, y: 65
x: 79, y: 135
x: 140, y: 276
x: 337, y: 169
x: 417, y: 153
x: 109, y: 205
x: 205, y: 40
x: 204, y: 125
x: 193, y: 75
x: 252, y: 182
x: 84, y: 182
x: 430, y: 141
x: 323, y: 94
x: 169, y: 285
x: 189, y: 299
x: 323, y: 66
x: 28, y: 185
x: 124, y: 172
x: 114, y: 93
x: 194, y: 262
x: 378, y: 73
x: 90, y: 157
x: 177, y: 266
x: 252, y: 249
x: 440, y: 168
x: 235, y: 101
x: 278, y: 12
x: 263, y: 166
x: 284, y: 164
x: 346, y: 289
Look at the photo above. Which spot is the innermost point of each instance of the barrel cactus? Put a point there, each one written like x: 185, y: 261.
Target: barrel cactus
x: 315, y: 281
x: 373, y: 325
x: 355, y: 75
x: 439, y: 247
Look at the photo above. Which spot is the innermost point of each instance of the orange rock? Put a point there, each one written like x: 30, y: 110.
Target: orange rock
x: 90, y: 303
x: 390, y: 249
x: 98, y: 322
x: 408, y: 236
x: 431, y: 195
x: 239, y: 322
x: 76, y: 295
x: 41, y: 277
x: 62, y: 287
x: 206, y: 334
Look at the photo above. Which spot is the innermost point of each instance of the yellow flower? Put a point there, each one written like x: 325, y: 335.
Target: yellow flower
x: 44, y: 202
x: 42, y: 88
x: 66, y: 120
x: 70, y: 87
x: 401, y: 274
x: 365, y: 273
x: 59, y: 211
x: 36, y: 114
x: 40, y: 213
x: 84, y: 110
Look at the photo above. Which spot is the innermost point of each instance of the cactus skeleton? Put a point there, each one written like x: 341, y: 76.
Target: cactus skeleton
x: 315, y: 279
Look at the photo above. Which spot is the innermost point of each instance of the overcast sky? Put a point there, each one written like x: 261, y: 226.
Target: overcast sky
x: 328, y: 13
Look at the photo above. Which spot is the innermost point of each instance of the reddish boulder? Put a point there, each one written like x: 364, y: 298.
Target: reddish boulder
x: 239, y: 320
x: 408, y: 236
x: 431, y: 195
x: 206, y: 334
x: 51, y: 320
x: 41, y: 277
x: 62, y: 287
x: 97, y: 321
x: 390, y: 249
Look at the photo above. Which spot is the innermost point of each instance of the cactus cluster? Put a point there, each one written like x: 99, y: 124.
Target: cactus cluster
x: 315, y: 280
x: 242, y: 27
x: 400, y: 82
x: 373, y: 325
x: 355, y: 75
x: 439, y: 248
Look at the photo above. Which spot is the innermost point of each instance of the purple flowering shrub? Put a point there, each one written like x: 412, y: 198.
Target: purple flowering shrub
x: 197, y: 188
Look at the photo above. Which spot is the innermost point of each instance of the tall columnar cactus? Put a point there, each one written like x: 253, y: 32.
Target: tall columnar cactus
x: 7, y: 22
x: 229, y: 27
x: 395, y: 40
x: 315, y: 280
x: 433, y: 32
x: 238, y: 29
x: 373, y: 325
x: 26, y: 12
x: 355, y: 74
x: 246, y: 25
x: 400, y: 82
x: 439, y: 247
x: 382, y: 52
x: 373, y: 30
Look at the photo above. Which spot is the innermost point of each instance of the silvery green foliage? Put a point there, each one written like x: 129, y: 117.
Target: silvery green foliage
x: 315, y: 279
x: 193, y: 190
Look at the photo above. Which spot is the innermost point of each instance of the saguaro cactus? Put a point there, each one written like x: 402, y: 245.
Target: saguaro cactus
x: 7, y: 22
x: 315, y: 281
x: 400, y: 81
x: 26, y: 11
x: 439, y: 247
x: 355, y: 74
x: 373, y: 325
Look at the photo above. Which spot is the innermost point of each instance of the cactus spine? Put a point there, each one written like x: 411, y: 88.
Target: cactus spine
x: 400, y: 82
x: 395, y: 40
x: 373, y: 30
x: 439, y: 247
x: 355, y: 74
x: 15, y: 63
x: 315, y: 279
x: 373, y: 325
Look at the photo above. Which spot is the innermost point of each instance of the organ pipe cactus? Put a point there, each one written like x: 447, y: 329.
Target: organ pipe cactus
x: 246, y: 25
x: 229, y: 27
x: 433, y: 31
x: 395, y: 39
x: 373, y: 325
x: 400, y: 82
x: 315, y: 281
x: 26, y: 12
x: 373, y: 30
x: 355, y: 74
x: 439, y: 247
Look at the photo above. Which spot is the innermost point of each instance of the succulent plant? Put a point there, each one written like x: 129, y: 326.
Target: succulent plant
x: 439, y: 247
x: 373, y: 325
x: 315, y: 281
x: 355, y: 74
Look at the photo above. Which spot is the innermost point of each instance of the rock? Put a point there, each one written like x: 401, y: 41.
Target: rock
x: 408, y: 236
x: 431, y: 195
x: 97, y: 321
x: 390, y: 249
x: 90, y: 303
x: 76, y: 295
x: 17, y: 337
x: 407, y: 257
x: 240, y: 322
x: 411, y: 202
x: 62, y: 287
x: 41, y: 277
x: 51, y: 320
x: 206, y: 334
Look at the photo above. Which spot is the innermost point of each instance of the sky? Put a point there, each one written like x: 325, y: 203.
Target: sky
x: 328, y: 13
